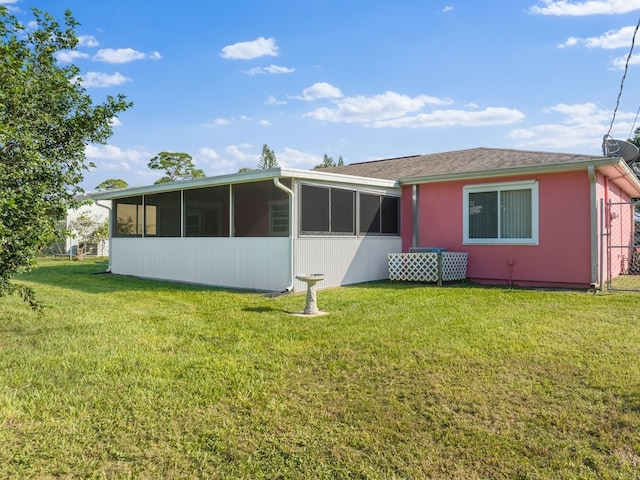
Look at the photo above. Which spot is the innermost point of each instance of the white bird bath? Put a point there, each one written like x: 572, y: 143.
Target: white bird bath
x: 311, y: 308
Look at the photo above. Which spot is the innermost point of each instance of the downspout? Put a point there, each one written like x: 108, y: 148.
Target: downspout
x: 415, y: 220
x: 595, y: 281
x: 110, y: 231
x: 289, y: 192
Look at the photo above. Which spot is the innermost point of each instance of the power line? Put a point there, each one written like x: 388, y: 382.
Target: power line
x: 626, y: 67
x: 633, y: 125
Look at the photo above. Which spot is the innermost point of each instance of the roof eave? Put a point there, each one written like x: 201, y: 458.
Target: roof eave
x: 244, y: 177
x: 597, y: 162
x: 624, y: 177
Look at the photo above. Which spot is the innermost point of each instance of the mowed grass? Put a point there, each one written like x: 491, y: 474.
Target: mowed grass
x: 127, y: 378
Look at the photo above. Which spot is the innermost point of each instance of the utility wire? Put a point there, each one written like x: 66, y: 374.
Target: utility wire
x: 626, y: 67
x: 633, y: 125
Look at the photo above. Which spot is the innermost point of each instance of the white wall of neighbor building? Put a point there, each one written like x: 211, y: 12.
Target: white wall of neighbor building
x: 100, y: 214
x: 342, y: 260
x: 246, y: 263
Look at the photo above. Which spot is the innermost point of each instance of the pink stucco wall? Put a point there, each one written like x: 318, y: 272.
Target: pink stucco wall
x: 620, y: 226
x: 562, y: 257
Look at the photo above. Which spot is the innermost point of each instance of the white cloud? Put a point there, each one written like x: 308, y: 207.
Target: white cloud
x: 586, y: 7
x: 260, y: 47
x: 293, y: 158
x: 208, y: 153
x: 98, y: 79
x: 109, y: 158
x: 612, y: 39
x: 387, y: 106
x: 68, y: 56
x: 265, y: 123
x: 123, y: 55
x: 320, y: 90
x: 11, y: 5
x: 270, y: 70
x: 235, y: 152
x: 218, y: 122
x: 271, y: 100
x: 234, y: 157
x: 620, y: 62
x: 579, y: 113
x: 447, y: 9
x: 577, y: 126
x: 571, y: 41
x: 115, y: 122
x: 87, y: 41
x: 111, y: 152
x: 455, y: 118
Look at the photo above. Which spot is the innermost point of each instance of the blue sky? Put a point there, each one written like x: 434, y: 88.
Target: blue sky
x: 361, y: 79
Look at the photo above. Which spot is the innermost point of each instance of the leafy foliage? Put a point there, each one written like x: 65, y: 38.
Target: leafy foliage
x: 328, y: 161
x: 111, y: 184
x: 46, y: 119
x: 177, y: 166
x: 87, y: 228
x: 267, y: 158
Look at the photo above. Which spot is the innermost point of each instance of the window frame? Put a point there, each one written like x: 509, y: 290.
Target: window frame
x: 205, y: 204
x: 155, y: 210
x: 381, y: 214
x: 137, y: 223
x: 531, y: 185
x: 330, y: 232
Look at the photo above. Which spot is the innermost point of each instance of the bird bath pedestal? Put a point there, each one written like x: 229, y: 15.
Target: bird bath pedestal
x: 311, y: 308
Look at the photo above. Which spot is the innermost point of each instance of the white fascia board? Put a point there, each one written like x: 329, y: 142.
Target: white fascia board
x: 623, y: 176
x: 244, y: 177
x: 319, y: 175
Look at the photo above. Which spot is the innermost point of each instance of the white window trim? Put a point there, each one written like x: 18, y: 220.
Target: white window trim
x: 493, y: 187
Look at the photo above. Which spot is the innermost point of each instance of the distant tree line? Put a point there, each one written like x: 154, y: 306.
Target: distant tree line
x: 178, y: 166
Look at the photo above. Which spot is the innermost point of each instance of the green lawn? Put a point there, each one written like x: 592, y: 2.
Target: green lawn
x: 126, y: 378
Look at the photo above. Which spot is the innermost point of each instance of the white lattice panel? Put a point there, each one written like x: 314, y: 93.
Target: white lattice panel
x: 413, y: 267
x: 454, y: 266
x: 423, y: 267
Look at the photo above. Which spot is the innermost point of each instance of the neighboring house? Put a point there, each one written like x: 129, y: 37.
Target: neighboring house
x: 256, y: 230
x: 99, y: 213
x: 524, y: 218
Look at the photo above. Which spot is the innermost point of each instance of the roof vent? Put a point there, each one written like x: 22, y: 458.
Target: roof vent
x: 619, y: 148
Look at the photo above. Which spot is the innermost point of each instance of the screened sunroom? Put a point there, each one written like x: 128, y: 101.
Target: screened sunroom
x: 256, y: 230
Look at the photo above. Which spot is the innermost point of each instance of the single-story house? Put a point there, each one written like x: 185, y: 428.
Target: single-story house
x: 523, y: 218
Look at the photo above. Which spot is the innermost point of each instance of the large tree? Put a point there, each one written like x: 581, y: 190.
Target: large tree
x: 267, y: 158
x: 46, y: 120
x: 111, y: 184
x: 177, y: 166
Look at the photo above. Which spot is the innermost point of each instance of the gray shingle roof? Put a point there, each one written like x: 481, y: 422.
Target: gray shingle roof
x: 460, y: 162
